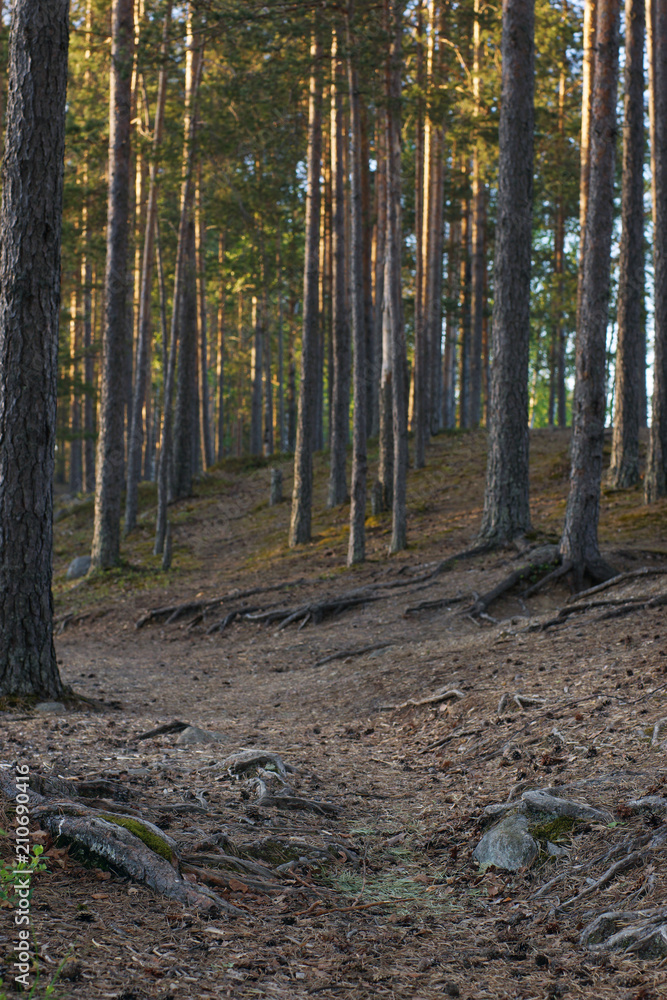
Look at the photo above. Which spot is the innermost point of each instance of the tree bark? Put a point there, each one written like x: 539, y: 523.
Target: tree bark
x: 392, y: 280
x: 506, y: 507
x: 302, y: 496
x: 624, y: 466
x: 478, y: 219
x: 220, y: 368
x: 588, y: 67
x: 422, y: 186
x: 655, y: 482
x: 357, y: 544
x: 75, y: 451
x: 379, y: 262
x: 340, y: 409
x: 579, y: 543
x: 142, y: 367
x: 110, y: 445
x: 30, y: 233
x: 465, y: 335
x: 206, y: 439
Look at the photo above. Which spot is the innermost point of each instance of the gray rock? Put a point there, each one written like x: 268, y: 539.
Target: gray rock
x: 52, y: 707
x: 78, y: 567
x: 655, y: 804
x: 507, y: 845
x: 554, y: 851
x: 541, y: 801
x: 500, y: 808
x: 193, y: 735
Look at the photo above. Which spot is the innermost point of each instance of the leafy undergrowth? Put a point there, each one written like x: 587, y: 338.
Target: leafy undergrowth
x: 398, y: 907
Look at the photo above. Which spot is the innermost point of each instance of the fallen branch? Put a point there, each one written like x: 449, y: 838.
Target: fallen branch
x: 443, y: 602
x: 450, y: 694
x: 175, y: 612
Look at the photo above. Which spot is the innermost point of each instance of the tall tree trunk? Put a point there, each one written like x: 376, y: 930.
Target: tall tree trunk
x: 340, y: 410
x: 379, y: 261
x: 506, y: 507
x: 174, y: 442
x: 110, y: 445
x: 267, y: 437
x: 588, y: 72
x: 184, y: 315
x: 302, y: 496
x: 86, y: 288
x: 256, y: 364
x: 367, y: 268
x: 624, y: 466
x: 220, y: 370
x: 451, y: 326
x: 204, y: 407
x: 75, y: 452
x: 422, y: 184
x: 282, y: 435
x: 142, y: 365
x: 30, y: 230
x: 655, y: 481
x: 392, y: 279
x: 357, y: 545
x: 579, y: 543
x: 477, y: 218
x: 465, y: 336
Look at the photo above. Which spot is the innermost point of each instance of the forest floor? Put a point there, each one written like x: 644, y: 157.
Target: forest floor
x: 388, y: 900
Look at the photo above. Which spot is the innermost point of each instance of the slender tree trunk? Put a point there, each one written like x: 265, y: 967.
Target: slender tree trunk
x: 466, y: 332
x: 624, y: 466
x: 110, y: 445
x: 588, y: 67
x: 453, y: 295
x: 477, y: 218
x: 302, y: 497
x: 392, y: 281
x: 357, y: 545
x: 506, y: 507
x: 422, y: 185
x: 30, y: 230
x: 220, y: 371
x: 579, y: 543
x: 282, y: 435
x: 367, y: 268
x: 142, y: 366
x: 268, y: 441
x: 75, y: 452
x: 204, y: 407
x: 256, y: 357
x: 86, y: 288
x: 655, y: 481
x: 379, y: 262
x: 340, y: 410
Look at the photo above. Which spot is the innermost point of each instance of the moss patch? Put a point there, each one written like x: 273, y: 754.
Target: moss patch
x: 147, y: 836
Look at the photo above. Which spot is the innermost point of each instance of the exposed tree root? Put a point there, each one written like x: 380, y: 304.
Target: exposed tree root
x: 615, y: 581
x: 315, y: 612
x: 344, y: 654
x: 176, y: 612
x: 542, y: 557
x: 443, y: 602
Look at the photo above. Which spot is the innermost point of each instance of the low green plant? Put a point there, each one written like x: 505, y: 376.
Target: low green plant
x: 9, y: 874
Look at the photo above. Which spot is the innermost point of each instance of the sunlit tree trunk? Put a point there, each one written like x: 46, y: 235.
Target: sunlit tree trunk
x: 588, y: 72
x: 302, y: 496
x: 220, y: 368
x: 142, y: 366
x: 341, y: 330
x: 206, y: 439
x: 478, y: 225
x: 75, y: 452
x: 110, y: 445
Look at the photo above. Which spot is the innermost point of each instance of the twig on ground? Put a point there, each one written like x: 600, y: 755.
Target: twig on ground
x: 450, y: 694
x: 343, y: 654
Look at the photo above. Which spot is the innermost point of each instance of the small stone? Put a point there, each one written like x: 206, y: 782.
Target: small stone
x: 193, y: 735
x: 52, y: 707
x: 78, y: 567
x: 554, y: 851
x: 508, y: 845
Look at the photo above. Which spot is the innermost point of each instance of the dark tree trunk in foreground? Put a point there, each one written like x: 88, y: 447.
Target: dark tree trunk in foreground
x: 30, y: 227
x: 624, y: 468
x: 506, y: 506
x: 579, y: 544
x: 302, y: 496
x: 357, y: 546
x: 110, y: 444
x: 655, y: 482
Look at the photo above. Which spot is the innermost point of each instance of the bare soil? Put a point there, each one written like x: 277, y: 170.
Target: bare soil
x: 399, y: 908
